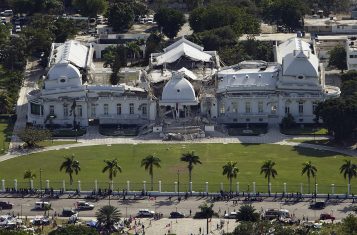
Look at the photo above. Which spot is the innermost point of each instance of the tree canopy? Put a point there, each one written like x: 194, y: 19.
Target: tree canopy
x: 338, y: 58
x: 170, y: 21
x: 31, y: 136
x: 91, y: 8
x: 74, y: 229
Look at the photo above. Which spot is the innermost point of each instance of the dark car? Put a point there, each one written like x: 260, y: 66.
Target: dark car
x: 176, y: 215
x: 68, y: 212
x: 6, y: 205
x: 326, y: 217
x: 318, y: 205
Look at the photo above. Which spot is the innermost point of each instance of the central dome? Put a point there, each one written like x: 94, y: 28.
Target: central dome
x: 178, y: 89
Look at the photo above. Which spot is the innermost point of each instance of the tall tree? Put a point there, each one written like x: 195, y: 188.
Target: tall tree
x: 309, y: 170
x: 5, y: 103
x: 112, y: 167
x: 191, y: 160
x: 170, y: 21
x: 70, y: 165
x: 338, y: 58
x: 134, y: 50
x: 349, y: 170
x: 149, y: 162
x: 247, y: 213
x: 231, y: 170
x: 107, y: 217
x: 207, y: 212
x: 120, y: 16
x: 31, y: 136
x: 91, y: 8
x: 29, y: 175
x: 269, y: 172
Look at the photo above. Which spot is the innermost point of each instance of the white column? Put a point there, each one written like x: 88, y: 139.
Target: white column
x: 175, y: 186
x: 237, y: 187
x: 348, y: 189
x: 96, y: 186
x: 285, y: 188
x: 128, y: 185
x: 333, y: 189
x: 159, y: 186
x: 31, y: 184
x: 15, y: 184
x: 222, y: 186
x: 190, y: 187
x: 254, y: 187
x: 3, y: 185
x: 47, y: 184
x: 144, y: 186
x: 79, y: 186
x: 301, y: 188
x: 64, y: 185
x: 206, y: 187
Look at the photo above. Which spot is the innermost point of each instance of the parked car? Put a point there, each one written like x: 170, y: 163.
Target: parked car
x: 6, y: 205
x: 3, y: 20
x: 83, y: 205
x: 325, y: 216
x: 7, y: 13
x: 232, y: 215
x: 68, y: 212
x: 42, y: 205
x: 145, y: 213
x: 318, y: 205
x: 18, y: 28
x: 176, y: 215
x: 40, y: 220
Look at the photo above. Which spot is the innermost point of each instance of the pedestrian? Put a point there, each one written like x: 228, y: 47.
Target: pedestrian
x: 190, y: 212
x: 200, y: 230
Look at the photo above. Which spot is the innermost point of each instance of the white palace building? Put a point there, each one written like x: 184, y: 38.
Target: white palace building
x: 184, y: 82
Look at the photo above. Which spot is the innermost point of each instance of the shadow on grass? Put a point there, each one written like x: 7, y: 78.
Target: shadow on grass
x: 314, y: 152
x: 250, y: 144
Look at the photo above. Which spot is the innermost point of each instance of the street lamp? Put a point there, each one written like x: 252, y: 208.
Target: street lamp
x: 178, y: 185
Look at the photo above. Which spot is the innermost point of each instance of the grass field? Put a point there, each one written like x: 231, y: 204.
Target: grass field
x: 249, y: 157
x: 48, y: 143
x: 307, y: 130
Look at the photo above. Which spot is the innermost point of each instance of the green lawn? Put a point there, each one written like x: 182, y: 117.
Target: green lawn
x: 307, y: 130
x: 250, y: 157
x: 48, y: 143
x: 5, y: 135
x: 325, y: 142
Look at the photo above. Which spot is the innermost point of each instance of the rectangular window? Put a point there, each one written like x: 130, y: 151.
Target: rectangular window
x: 314, y: 106
x: 247, y: 107
x: 52, y: 110
x: 93, y: 110
x: 106, y: 109
x: 131, y: 108
x: 65, y: 110
x: 144, y: 109
x: 79, y: 111
x: 301, y: 107
x: 287, y: 109
x: 222, y: 109
x: 234, y: 107
x: 35, y: 109
x: 260, y: 107
x: 118, y: 109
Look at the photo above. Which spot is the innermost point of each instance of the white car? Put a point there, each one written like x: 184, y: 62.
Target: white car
x: 18, y: 28
x: 145, y: 213
x: 83, y: 205
x: 3, y: 20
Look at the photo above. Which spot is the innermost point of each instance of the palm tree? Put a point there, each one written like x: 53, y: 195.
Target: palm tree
x: 231, y: 170
x: 30, y: 176
x: 149, y: 162
x: 134, y: 49
x: 70, y: 165
x: 268, y: 169
x: 112, y: 167
x: 206, y: 212
x: 107, y: 216
x: 192, y: 160
x: 309, y: 170
x: 349, y: 171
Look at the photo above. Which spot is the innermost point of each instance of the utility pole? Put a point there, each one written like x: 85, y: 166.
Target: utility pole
x: 178, y: 185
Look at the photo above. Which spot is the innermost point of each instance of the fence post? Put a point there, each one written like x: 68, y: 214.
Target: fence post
x: 47, y: 184
x: 3, y: 185
x: 159, y: 186
x: 301, y: 188
x: 95, y: 186
x: 207, y: 187
x: 79, y: 186
x: 64, y: 185
x: 284, y: 188
x: 237, y: 187
x: 333, y: 189
x: 190, y: 187
x: 15, y: 184
x: 348, y: 189
x: 31, y: 184
x: 128, y: 185
x: 175, y: 186
x: 144, y: 186
x: 316, y: 188
x: 111, y: 185
x: 254, y: 187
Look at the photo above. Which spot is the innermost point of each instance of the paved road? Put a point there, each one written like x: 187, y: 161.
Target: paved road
x: 163, y: 205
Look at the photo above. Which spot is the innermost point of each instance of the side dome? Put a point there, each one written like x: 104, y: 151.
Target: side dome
x: 63, y: 70
x: 178, y: 89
